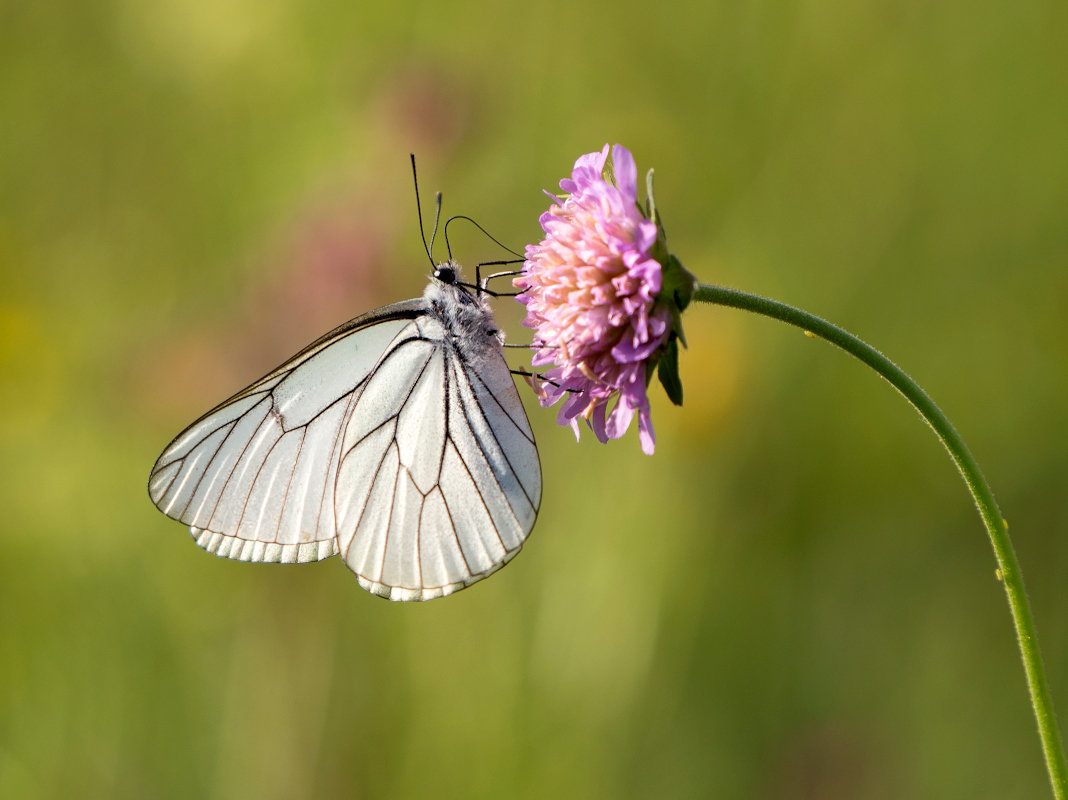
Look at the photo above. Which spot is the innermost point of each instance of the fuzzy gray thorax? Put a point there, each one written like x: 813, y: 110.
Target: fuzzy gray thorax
x: 465, y: 315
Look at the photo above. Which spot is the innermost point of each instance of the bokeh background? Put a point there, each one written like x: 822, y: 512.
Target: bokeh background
x: 793, y: 598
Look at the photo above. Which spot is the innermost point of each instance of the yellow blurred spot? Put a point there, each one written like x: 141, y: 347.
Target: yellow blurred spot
x: 710, y: 370
x: 810, y: 334
x: 998, y: 574
x: 31, y: 364
x: 200, y: 39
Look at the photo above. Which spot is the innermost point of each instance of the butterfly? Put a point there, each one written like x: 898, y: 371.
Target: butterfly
x: 397, y: 441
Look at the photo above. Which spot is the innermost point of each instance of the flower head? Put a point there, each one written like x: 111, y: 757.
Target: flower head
x: 592, y: 293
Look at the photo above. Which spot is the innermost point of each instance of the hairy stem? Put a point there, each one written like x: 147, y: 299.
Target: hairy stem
x: 1009, y: 568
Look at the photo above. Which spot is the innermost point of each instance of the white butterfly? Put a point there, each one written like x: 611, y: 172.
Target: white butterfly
x: 397, y: 440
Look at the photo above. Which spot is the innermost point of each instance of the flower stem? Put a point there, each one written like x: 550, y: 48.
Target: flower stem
x: 1008, y: 567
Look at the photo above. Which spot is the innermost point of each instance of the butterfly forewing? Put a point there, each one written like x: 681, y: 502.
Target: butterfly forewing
x: 254, y: 477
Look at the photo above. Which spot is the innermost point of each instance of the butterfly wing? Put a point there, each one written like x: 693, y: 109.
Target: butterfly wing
x: 379, y: 440
x: 439, y: 481
x: 254, y: 477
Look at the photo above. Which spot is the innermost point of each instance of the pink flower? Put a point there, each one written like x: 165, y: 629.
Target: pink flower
x: 591, y: 289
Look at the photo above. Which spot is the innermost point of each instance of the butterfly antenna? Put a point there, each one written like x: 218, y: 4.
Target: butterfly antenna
x: 488, y: 235
x: 437, y: 219
x: 419, y: 214
x: 480, y: 283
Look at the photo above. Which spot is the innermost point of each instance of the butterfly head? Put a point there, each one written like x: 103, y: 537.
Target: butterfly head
x: 448, y: 273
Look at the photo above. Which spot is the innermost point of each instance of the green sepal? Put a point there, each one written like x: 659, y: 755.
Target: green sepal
x: 667, y: 370
x: 608, y: 171
x: 677, y: 283
x: 677, y: 287
x: 650, y: 205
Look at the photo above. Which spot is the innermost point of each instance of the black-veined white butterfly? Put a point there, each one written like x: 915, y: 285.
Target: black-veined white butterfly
x: 397, y: 440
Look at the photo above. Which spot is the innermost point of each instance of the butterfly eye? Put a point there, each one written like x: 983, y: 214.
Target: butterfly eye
x: 445, y: 274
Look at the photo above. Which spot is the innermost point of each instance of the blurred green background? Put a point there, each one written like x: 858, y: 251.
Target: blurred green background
x: 793, y: 598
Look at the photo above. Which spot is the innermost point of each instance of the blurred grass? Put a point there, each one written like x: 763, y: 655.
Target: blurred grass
x: 792, y: 599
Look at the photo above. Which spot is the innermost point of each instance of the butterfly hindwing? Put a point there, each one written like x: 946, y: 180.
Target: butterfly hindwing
x: 428, y: 500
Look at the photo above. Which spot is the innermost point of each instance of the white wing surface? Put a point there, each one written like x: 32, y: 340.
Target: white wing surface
x: 441, y: 489
x: 382, y: 441
x: 254, y: 477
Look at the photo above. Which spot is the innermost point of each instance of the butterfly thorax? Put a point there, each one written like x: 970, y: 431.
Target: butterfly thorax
x: 463, y: 313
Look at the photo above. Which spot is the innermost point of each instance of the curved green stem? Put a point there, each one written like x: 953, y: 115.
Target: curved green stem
x: 984, y: 499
